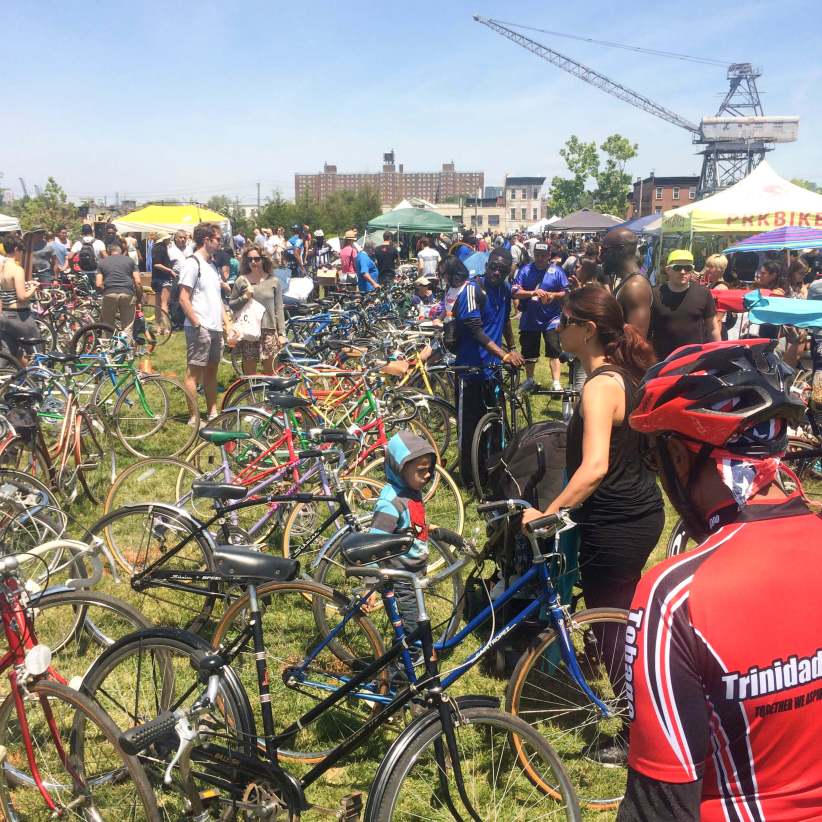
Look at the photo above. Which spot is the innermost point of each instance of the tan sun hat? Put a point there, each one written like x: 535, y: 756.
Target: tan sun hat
x: 350, y: 235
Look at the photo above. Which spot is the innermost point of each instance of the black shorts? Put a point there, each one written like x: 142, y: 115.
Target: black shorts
x: 529, y: 343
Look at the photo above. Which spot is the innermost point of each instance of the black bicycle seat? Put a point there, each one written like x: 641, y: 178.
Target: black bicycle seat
x: 359, y: 549
x: 59, y: 356
x: 218, y: 436
x: 279, y: 383
x: 22, y: 393
x: 286, y: 401
x: 31, y: 341
x: 245, y: 563
x: 217, y: 490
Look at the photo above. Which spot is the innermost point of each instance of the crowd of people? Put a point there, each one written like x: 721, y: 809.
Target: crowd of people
x: 672, y: 386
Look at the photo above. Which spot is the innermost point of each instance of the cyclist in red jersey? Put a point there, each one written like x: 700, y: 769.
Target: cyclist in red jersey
x: 724, y: 643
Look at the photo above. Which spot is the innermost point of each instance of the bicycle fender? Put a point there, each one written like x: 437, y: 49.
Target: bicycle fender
x: 416, y: 726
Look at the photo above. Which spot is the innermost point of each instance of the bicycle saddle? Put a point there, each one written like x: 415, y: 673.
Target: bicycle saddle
x: 218, y: 436
x: 22, y: 393
x: 217, y: 490
x: 246, y: 563
x: 285, y: 401
x: 359, y: 549
x: 279, y: 383
x: 31, y: 341
x: 59, y: 356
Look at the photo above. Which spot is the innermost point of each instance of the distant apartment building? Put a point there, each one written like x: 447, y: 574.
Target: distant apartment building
x: 523, y: 203
x: 654, y: 195
x: 482, y: 214
x: 393, y: 183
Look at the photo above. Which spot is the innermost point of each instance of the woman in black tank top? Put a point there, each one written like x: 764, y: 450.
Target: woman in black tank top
x: 618, y: 505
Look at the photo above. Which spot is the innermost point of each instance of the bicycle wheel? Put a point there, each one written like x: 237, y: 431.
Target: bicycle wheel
x: 679, y: 540
x: 94, y: 461
x: 544, y: 693
x: 156, y: 480
x: 444, y: 598
x: 302, y: 537
x: 150, y: 672
x: 140, y: 535
x: 156, y: 417
x: 498, y: 777
x: 28, y: 457
x: 91, y: 339
x: 290, y: 632
x: 808, y: 470
x: 93, y: 780
x: 158, y: 325
x: 79, y: 625
x: 437, y: 415
x: 490, y: 438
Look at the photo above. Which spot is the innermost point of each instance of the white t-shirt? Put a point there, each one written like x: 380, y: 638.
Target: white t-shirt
x: 430, y: 260
x: 177, y: 256
x: 206, y: 296
x: 98, y: 246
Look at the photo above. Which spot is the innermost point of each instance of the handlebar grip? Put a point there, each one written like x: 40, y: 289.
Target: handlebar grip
x: 500, y: 505
x: 137, y: 739
x: 543, y: 523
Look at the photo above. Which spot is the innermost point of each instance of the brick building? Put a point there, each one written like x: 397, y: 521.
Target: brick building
x: 653, y: 195
x: 393, y: 183
x: 523, y: 204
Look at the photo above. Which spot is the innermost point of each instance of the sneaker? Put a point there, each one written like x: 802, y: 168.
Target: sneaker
x: 557, y: 385
x: 611, y: 753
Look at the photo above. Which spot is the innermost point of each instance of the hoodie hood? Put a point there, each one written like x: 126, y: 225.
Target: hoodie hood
x: 401, y: 449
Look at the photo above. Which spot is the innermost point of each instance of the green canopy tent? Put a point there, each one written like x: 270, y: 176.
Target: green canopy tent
x: 412, y: 220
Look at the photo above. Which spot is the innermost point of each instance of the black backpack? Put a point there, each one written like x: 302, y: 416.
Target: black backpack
x: 532, y: 465
x: 86, y: 258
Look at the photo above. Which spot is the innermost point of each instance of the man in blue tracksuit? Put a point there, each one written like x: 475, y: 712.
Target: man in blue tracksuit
x: 540, y: 287
x: 482, y: 312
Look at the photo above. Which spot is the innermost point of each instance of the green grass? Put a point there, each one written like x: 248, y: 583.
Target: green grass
x: 356, y: 773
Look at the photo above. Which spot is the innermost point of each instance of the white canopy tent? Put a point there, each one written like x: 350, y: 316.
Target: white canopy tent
x: 8, y: 224
x: 541, y: 225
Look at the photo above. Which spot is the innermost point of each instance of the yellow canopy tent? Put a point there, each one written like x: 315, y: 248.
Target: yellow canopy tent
x: 761, y: 201
x: 169, y: 218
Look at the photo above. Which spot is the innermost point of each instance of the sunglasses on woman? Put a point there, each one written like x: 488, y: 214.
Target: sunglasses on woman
x: 254, y: 259
x: 565, y: 321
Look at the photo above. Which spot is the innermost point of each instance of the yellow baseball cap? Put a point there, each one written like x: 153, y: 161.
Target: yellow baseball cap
x: 680, y: 255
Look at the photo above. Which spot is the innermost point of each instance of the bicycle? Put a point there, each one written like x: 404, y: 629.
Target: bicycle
x: 59, y: 752
x: 425, y: 768
x: 508, y: 410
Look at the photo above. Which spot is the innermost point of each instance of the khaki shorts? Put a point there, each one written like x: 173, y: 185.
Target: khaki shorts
x: 203, y: 346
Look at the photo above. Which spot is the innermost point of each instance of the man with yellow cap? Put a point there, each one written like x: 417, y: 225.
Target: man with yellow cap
x: 682, y: 311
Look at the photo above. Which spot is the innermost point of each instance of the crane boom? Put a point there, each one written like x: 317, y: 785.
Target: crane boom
x: 589, y: 75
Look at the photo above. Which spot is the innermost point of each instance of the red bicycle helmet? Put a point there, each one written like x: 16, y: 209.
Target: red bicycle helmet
x: 733, y: 395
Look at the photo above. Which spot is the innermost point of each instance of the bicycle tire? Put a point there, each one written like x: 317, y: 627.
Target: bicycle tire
x: 409, y: 787
x: 91, y: 338
x: 92, y: 458
x: 138, y: 535
x: 75, y: 624
x: 437, y: 415
x: 808, y: 470
x: 444, y: 601
x: 571, y: 722
x: 490, y: 437
x: 124, y: 786
x: 678, y: 540
x: 28, y: 457
x: 151, y: 480
x: 175, y: 433
x: 155, y: 320
x: 288, y: 623
x: 150, y: 672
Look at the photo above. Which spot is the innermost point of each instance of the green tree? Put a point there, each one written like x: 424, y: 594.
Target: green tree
x: 613, y: 184
x: 568, y: 193
x: 50, y: 209
x: 798, y: 181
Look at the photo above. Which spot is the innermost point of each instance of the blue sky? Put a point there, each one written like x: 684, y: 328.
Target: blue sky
x: 194, y: 99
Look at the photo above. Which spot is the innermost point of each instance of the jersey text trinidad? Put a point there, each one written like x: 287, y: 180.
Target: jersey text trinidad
x: 724, y: 668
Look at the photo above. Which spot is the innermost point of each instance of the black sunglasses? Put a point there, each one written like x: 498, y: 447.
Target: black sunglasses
x: 565, y: 321
x: 254, y: 259
x: 499, y: 268
x: 682, y: 267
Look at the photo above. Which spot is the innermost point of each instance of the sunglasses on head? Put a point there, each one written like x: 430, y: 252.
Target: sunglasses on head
x: 682, y: 267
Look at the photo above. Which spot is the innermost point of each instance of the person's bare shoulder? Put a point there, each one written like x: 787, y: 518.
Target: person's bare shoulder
x: 635, y: 292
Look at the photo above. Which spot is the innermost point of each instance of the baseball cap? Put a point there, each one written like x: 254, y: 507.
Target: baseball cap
x: 422, y: 282
x: 319, y: 233
x: 680, y: 255
x: 544, y: 247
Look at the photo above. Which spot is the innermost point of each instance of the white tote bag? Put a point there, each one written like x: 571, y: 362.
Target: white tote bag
x: 248, y: 322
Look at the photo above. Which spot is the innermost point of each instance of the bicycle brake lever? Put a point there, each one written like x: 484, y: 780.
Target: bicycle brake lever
x: 187, y: 736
